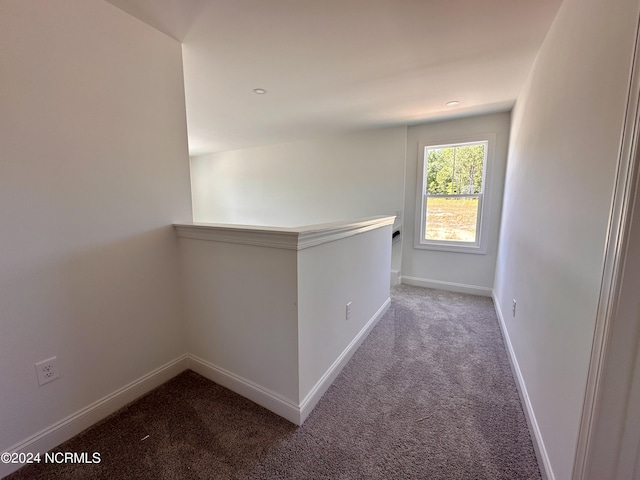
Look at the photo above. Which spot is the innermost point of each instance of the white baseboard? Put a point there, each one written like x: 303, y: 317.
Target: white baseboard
x: 273, y: 401
x: 256, y: 393
x: 70, y: 426
x: 538, y: 444
x: 319, y: 389
x: 75, y: 423
x: 450, y: 286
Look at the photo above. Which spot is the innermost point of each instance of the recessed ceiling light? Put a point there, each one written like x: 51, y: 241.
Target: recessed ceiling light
x: 453, y: 103
x: 259, y: 91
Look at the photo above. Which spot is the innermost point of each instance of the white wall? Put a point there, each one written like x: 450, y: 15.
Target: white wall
x: 563, y: 151
x: 342, y: 177
x: 355, y: 270
x: 93, y: 171
x: 242, y: 314
x: 441, y: 269
x: 615, y: 442
x: 266, y: 308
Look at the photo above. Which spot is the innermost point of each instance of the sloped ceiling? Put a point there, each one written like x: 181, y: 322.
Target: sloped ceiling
x: 336, y: 65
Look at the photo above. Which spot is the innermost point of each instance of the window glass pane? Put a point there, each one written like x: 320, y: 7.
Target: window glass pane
x: 454, y: 170
x: 452, y: 219
x: 468, y: 168
x: 439, y: 171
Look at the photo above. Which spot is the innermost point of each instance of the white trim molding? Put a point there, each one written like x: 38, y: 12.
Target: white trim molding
x: 449, y: 286
x: 280, y: 237
x: 75, y: 423
x: 624, y: 194
x: 285, y: 407
x: 264, y: 397
x: 538, y: 444
x: 311, y: 400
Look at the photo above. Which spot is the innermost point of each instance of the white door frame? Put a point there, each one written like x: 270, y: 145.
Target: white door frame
x: 609, y: 434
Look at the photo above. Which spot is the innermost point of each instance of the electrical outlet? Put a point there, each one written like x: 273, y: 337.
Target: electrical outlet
x: 47, y: 370
x: 348, y: 311
x: 513, y: 308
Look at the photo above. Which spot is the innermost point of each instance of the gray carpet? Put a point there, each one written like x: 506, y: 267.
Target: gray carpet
x: 429, y: 395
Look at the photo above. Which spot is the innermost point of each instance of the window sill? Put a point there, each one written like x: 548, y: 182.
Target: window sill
x: 455, y: 248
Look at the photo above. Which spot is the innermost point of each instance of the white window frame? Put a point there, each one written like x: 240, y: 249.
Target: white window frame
x: 480, y: 246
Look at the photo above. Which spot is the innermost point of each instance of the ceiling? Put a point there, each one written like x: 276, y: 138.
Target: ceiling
x: 338, y: 65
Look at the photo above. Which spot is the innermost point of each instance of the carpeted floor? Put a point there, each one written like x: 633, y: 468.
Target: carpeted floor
x: 429, y: 395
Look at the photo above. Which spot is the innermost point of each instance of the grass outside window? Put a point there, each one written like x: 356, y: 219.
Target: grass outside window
x: 451, y: 219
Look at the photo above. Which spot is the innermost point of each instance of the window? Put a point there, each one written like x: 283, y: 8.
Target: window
x: 451, y: 186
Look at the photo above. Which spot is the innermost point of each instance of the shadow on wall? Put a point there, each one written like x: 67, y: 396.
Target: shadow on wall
x: 109, y: 314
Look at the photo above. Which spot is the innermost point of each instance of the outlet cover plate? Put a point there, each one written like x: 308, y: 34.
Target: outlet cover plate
x: 47, y: 370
